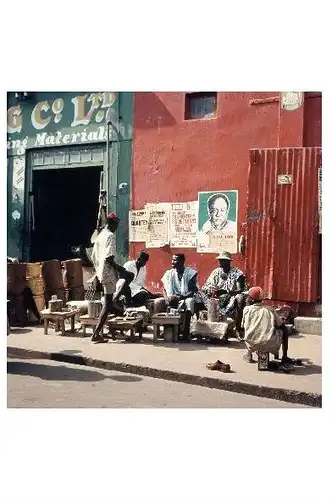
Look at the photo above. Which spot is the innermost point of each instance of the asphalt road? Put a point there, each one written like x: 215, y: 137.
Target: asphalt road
x: 33, y: 383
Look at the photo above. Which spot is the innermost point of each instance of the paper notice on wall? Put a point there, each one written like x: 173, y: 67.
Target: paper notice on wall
x: 138, y: 225
x: 183, y: 224
x: 320, y: 205
x: 220, y: 241
x: 158, y: 226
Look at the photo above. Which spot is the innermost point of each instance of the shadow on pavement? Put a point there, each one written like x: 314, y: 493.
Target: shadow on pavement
x: 308, y: 368
x: 54, y: 372
x: 19, y: 330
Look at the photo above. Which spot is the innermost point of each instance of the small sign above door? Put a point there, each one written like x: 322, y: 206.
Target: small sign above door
x: 290, y: 101
x: 285, y: 179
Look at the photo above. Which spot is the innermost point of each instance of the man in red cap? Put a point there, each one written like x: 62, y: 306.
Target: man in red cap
x: 103, y: 255
x: 264, y: 331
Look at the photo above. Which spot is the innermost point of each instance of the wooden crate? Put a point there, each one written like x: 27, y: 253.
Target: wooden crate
x: 40, y: 301
x: 36, y: 285
x: 52, y: 274
x: 16, y: 278
x: 72, y: 273
x: 34, y: 270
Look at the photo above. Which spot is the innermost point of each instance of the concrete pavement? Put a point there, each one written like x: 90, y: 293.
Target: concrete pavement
x: 72, y: 386
x: 183, y: 362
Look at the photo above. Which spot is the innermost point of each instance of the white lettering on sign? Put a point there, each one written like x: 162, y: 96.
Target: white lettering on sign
x: 19, y: 144
x: 14, y: 119
x: 44, y: 139
x: 37, y: 119
x: 57, y: 108
x: 85, y: 108
x: 97, y: 100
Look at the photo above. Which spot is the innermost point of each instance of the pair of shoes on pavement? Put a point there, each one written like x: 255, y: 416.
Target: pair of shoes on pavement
x: 219, y: 366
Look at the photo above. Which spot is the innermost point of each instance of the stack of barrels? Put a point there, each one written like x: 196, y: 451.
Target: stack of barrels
x: 73, y: 279
x: 51, y: 273
x: 16, y: 283
x: 36, y: 283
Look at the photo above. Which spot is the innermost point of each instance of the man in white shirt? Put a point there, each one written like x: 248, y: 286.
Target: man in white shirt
x: 264, y: 331
x: 180, y: 288
x: 139, y: 294
x: 103, y: 254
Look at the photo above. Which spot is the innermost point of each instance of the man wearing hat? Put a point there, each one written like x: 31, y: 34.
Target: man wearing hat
x: 227, y: 283
x: 103, y: 254
x: 264, y: 331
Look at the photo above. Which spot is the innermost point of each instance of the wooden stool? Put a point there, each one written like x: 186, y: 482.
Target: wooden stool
x: 170, y: 334
x: 263, y: 361
x: 121, y: 324
x: 59, y: 319
x: 85, y: 321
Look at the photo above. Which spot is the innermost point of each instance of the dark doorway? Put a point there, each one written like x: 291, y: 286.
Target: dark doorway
x: 65, y: 211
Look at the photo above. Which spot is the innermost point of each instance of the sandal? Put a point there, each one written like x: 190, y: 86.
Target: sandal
x: 219, y: 366
x: 292, y: 361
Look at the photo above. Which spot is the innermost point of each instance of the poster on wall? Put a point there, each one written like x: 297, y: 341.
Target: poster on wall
x: 217, y: 221
x: 320, y: 201
x: 158, y: 226
x: 138, y: 225
x: 183, y: 224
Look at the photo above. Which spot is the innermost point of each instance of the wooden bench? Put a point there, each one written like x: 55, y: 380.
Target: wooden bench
x: 170, y: 324
x: 59, y: 319
x: 86, y: 320
x: 124, y: 324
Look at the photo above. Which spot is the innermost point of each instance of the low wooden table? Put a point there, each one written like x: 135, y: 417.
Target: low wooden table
x: 85, y: 321
x: 164, y: 320
x: 59, y: 319
x: 132, y: 324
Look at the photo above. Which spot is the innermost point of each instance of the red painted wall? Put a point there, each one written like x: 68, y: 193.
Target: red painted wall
x: 312, y: 130
x: 174, y: 159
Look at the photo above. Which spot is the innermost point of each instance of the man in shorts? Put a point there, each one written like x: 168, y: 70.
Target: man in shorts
x: 103, y: 258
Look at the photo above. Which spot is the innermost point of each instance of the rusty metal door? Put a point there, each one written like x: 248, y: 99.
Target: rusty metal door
x: 282, y: 222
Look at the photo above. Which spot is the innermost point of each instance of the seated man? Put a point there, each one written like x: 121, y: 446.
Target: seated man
x: 180, y: 286
x: 227, y: 283
x: 139, y: 294
x: 264, y: 331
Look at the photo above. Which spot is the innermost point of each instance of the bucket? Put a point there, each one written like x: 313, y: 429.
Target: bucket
x: 94, y: 308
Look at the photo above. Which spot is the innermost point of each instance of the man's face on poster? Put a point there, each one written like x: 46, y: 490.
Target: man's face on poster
x: 219, y: 213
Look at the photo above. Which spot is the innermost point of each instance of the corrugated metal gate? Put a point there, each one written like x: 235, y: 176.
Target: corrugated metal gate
x: 282, y: 222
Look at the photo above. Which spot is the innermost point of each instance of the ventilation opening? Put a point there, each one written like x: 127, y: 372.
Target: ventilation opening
x: 200, y: 105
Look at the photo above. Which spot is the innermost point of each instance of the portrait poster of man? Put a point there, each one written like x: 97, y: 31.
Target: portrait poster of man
x: 217, y: 221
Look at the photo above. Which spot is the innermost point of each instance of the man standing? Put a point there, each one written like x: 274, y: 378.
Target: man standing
x: 139, y: 294
x: 103, y: 254
x: 180, y: 286
x: 227, y: 283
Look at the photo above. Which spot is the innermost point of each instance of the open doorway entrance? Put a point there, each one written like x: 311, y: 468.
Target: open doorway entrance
x: 65, y: 210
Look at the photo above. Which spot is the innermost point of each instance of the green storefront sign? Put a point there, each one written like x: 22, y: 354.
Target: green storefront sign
x: 59, y: 120
x: 48, y: 119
